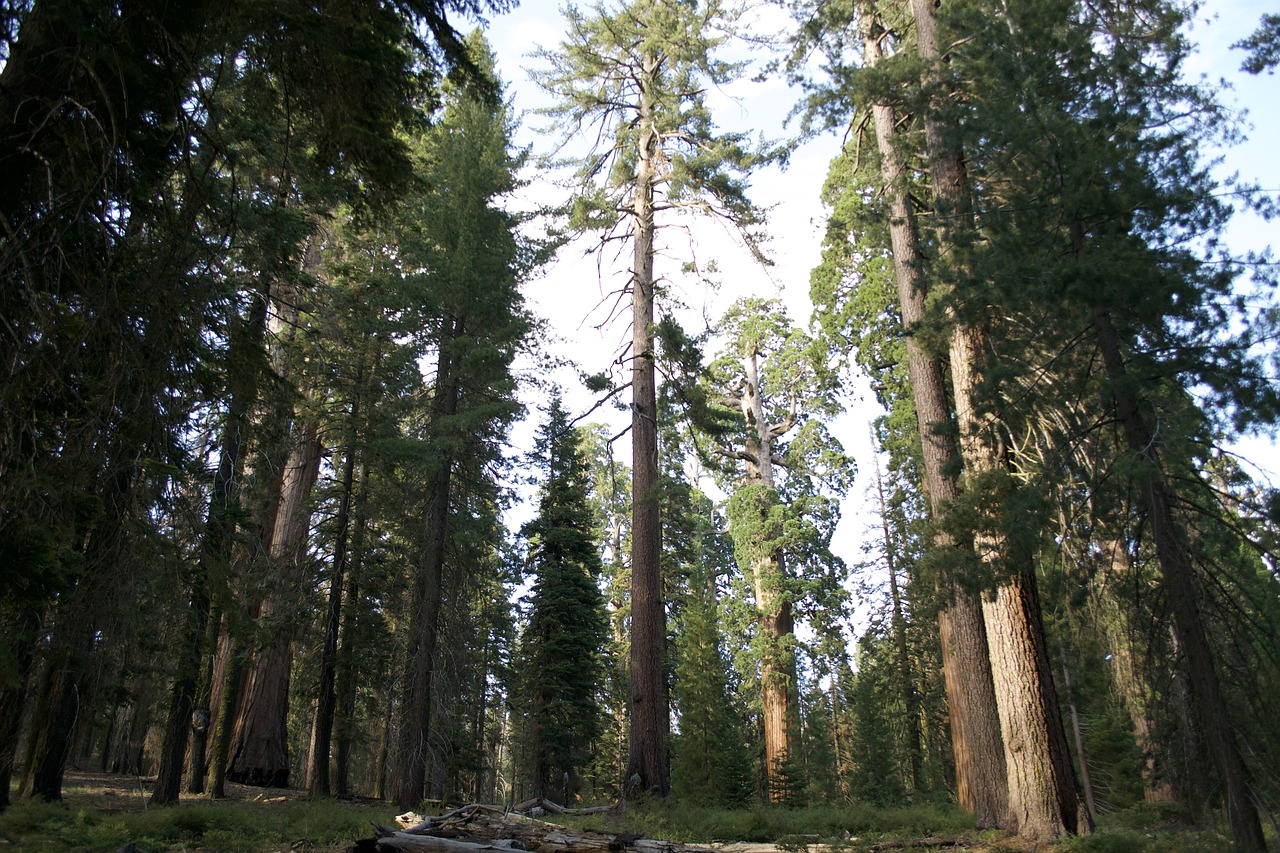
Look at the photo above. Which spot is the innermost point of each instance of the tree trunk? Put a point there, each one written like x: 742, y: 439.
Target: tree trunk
x: 224, y: 721
x: 906, y: 678
x: 981, y: 785
x: 345, y: 665
x: 259, y: 751
x: 20, y: 628
x: 1077, y: 734
x: 1042, y: 788
x: 322, y: 729
x: 415, y: 728
x: 649, y: 714
x: 1173, y: 553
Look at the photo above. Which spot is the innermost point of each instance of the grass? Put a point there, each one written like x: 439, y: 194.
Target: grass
x: 782, y: 825
x: 193, y: 825
x: 102, y: 814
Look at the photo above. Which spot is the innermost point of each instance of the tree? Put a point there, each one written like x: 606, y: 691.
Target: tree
x: 561, y: 646
x: 638, y: 71
x: 462, y: 252
x: 886, y: 322
x: 777, y: 379
x: 117, y: 224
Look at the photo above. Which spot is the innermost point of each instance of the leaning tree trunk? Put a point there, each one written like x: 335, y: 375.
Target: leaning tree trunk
x: 981, y: 785
x: 649, y: 714
x: 1173, y: 553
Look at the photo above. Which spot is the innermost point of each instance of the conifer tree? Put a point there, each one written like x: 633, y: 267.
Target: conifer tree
x: 638, y: 72
x: 561, y: 647
x: 463, y: 260
x: 776, y: 378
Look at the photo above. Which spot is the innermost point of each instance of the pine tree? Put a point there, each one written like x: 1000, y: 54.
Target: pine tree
x: 638, y: 71
x: 560, y: 648
x: 463, y: 253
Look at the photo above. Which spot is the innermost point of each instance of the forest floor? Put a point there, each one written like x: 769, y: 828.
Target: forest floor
x: 104, y: 813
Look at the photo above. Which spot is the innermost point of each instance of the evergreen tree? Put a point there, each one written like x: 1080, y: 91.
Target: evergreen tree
x: 638, y: 71
x: 462, y: 260
x: 560, y: 648
x: 776, y: 377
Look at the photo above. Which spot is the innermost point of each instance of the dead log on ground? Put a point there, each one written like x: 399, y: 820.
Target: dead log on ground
x: 486, y: 829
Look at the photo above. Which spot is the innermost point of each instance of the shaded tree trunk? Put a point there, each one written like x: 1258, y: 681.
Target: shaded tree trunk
x: 1173, y: 553
x: 415, y: 727
x: 259, y: 751
x: 345, y: 665
x: 19, y: 627
x: 322, y: 729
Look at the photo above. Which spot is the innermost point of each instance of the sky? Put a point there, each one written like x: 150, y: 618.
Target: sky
x: 571, y: 292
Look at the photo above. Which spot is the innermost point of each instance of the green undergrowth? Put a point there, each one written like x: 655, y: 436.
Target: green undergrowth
x: 231, y: 826
x: 785, y: 826
x: 1150, y: 828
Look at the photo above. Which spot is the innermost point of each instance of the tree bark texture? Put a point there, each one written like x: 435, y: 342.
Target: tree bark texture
x: 1042, y: 788
x: 649, y: 714
x: 981, y: 785
x: 259, y: 751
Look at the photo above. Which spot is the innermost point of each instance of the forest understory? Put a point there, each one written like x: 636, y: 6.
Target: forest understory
x: 109, y: 812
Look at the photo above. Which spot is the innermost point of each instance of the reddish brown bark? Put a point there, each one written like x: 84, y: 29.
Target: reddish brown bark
x: 649, y: 714
x: 971, y: 705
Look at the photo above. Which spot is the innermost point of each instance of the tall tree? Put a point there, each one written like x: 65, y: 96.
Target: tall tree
x: 776, y: 378
x: 560, y: 650
x: 855, y: 302
x: 638, y: 71
x: 462, y: 251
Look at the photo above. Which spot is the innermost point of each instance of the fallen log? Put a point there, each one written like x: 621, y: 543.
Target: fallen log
x: 487, y: 829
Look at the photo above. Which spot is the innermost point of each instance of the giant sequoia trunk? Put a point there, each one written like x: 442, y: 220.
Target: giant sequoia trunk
x: 259, y: 752
x: 1173, y: 553
x: 752, y: 532
x: 981, y: 785
x: 649, y: 716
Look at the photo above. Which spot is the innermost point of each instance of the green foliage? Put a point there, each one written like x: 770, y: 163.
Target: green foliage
x: 1263, y: 46
x: 561, y: 666
x: 231, y: 827
x: 637, y: 73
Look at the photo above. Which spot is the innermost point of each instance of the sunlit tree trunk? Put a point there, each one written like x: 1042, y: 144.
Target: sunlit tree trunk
x: 981, y: 785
